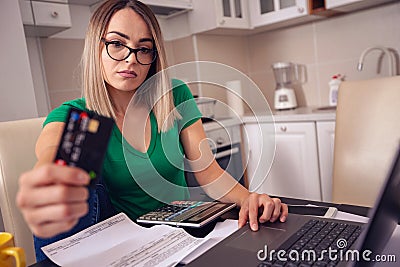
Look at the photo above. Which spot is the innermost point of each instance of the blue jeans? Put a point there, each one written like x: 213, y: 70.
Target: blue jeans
x: 100, y: 208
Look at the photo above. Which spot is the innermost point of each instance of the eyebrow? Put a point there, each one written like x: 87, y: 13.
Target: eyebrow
x: 141, y: 40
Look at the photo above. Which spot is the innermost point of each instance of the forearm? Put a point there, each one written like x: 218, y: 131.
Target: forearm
x: 220, y: 185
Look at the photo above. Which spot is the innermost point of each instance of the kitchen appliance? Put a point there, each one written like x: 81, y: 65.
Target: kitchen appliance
x: 224, y: 138
x: 287, y: 76
x: 206, y: 107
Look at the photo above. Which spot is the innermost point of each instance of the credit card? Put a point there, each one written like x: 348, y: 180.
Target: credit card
x: 84, y: 141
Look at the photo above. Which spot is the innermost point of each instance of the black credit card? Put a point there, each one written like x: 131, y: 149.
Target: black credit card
x: 84, y: 141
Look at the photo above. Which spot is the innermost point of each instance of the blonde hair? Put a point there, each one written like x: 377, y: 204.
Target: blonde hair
x: 159, y: 97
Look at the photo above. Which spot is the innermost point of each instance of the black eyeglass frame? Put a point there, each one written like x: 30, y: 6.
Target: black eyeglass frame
x: 131, y: 50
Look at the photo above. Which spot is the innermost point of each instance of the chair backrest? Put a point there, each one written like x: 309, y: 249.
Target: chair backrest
x: 17, y: 155
x: 367, y: 134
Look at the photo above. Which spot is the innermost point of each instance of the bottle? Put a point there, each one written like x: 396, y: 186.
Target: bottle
x: 334, y: 84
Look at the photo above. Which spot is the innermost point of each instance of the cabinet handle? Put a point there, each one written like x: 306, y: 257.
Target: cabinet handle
x: 300, y: 9
x: 222, y: 22
x: 283, y: 128
x: 220, y: 141
x: 54, y: 14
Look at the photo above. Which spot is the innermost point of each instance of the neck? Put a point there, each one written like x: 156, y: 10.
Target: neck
x: 120, y: 100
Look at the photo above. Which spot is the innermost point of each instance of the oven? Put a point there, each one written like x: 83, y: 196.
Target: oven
x: 224, y: 139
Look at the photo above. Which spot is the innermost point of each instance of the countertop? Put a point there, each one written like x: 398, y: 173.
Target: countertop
x: 219, y: 123
x: 294, y: 115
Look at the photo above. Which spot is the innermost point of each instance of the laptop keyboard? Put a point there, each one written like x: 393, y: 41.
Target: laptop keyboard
x: 315, y: 236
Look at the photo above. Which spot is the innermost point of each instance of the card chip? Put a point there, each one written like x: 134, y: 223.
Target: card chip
x: 93, y: 126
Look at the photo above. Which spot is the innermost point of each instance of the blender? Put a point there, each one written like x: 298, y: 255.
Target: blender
x: 287, y: 76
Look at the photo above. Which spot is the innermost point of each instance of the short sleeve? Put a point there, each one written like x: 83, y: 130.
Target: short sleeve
x: 59, y: 114
x: 185, y: 103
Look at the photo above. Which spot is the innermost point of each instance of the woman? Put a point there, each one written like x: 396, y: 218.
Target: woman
x: 123, y: 49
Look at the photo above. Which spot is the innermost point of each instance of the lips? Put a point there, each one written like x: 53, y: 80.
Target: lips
x: 127, y: 74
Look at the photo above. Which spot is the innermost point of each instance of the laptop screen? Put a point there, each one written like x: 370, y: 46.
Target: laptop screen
x: 384, y: 217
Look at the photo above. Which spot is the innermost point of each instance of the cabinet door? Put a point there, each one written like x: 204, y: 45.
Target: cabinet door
x: 214, y: 15
x: 326, y: 141
x: 266, y: 12
x: 259, y: 150
x: 232, y: 14
x: 294, y: 171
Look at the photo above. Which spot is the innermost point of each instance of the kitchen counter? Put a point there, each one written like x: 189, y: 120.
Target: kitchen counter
x: 294, y: 115
x: 219, y: 123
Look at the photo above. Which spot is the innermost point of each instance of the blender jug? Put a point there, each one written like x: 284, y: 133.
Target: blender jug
x: 287, y: 75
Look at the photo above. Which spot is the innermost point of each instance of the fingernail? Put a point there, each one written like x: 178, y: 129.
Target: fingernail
x: 254, y: 227
x: 283, y: 219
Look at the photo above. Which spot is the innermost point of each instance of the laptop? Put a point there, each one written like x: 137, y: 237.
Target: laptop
x: 292, y: 243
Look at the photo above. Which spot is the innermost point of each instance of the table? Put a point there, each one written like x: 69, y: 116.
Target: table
x: 233, y: 214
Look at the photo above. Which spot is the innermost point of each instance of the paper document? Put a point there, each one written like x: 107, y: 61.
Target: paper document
x: 220, y: 232
x: 118, y: 241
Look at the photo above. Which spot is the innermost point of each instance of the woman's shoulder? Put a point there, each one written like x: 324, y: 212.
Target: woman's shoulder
x: 180, y: 91
x: 59, y: 114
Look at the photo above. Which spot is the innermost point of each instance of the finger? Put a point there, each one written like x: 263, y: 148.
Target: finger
x: 267, y: 208
x: 52, y: 173
x: 55, y: 213
x: 51, y: 229
x: 284, y: 212
x: 54, y: 194
x: 253, y: 211
x: 276, y: 209
x: 243, y: 215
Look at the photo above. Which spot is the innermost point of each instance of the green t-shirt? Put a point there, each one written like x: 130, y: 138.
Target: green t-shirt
x: 156, y: 171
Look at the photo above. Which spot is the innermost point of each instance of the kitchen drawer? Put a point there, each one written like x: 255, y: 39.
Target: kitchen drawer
x: 51, y: 14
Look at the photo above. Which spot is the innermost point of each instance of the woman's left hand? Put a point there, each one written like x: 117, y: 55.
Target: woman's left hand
x: 271, y: 209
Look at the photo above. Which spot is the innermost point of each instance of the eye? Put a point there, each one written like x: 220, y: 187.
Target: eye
x: 116, y: 44
x: 145, y: 50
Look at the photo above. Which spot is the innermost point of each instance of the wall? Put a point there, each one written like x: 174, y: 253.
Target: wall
x: 17, y: 94
x: 62, y: 69
x: 327, y: 47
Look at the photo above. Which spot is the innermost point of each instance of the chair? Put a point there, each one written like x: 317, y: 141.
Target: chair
x: 367, y: 134
x: 17, y: 155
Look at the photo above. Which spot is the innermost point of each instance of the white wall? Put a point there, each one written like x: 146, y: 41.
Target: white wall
x: 17, y: 95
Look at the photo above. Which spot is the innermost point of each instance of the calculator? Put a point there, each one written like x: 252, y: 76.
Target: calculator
x: 186, y: 213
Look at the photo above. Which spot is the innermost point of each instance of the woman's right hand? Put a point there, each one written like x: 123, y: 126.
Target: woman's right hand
x: 52, y: 198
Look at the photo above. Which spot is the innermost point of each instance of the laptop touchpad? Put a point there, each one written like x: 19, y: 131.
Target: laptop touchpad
x: 254, y: 241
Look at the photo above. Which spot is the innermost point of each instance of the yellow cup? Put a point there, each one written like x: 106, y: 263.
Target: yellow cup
x: 9, y: 254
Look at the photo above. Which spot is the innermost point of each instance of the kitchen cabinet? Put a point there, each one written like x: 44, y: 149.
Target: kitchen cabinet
x: 326, y: 141
x: 294, y: 171
x: 45, y: 18
x: 214, y: 15
x: 303, y: 159
x: 268, y: 12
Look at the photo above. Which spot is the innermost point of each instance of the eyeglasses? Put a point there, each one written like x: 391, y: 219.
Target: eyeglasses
x: 118, y: 51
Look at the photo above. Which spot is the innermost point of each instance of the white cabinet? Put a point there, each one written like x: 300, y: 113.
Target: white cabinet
x: 212, y: 15
x: 44, y: 18
x: 295, y: 171
x: 268, y: 12
x: 326, y: 140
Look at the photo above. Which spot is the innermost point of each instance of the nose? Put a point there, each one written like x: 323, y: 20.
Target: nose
x: 131, y: 58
